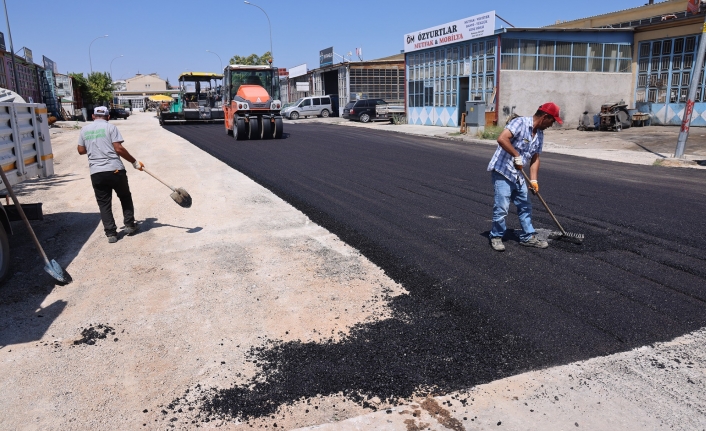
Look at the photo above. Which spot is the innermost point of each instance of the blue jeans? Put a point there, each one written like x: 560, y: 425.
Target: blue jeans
x: 506, y: 191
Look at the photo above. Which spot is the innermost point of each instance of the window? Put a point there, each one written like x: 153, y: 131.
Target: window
x: 522, y: 54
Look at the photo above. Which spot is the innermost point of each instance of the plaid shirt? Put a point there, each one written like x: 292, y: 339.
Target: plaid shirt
x: 523, y: 142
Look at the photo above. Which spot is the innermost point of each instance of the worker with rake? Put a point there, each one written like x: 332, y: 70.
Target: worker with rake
x: 519, y: 143
x: 102, y: 142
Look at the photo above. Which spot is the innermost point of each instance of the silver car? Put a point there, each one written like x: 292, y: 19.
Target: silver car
x: 319, y: 106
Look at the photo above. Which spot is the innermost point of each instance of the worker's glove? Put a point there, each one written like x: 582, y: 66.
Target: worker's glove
x: 517, y: 161
x: 534, y: 185
x: 138, y: 165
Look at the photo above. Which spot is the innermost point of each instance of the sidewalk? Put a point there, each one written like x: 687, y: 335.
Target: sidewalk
x: 652, y: 145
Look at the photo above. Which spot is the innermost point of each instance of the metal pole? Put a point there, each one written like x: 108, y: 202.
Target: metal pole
x: 89, y: 50
x: 111, y: 66
x: 219, y: 57
x: 272, y: 55
x: 689, y: 109
x: 12, y: 50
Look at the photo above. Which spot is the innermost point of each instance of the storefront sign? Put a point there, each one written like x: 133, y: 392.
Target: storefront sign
x: 464, y: 29
x: 326, y: 57
x: 302, y: 86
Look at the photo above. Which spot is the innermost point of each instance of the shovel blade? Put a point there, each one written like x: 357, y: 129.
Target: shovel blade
x: 54, y: 269
x: 181, y: 197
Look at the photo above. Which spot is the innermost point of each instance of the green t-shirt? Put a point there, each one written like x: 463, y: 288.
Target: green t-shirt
x: 98, y: 138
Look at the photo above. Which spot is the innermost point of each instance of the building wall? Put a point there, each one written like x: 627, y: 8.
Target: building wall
x: 521, y: 92
x: 146, y: 83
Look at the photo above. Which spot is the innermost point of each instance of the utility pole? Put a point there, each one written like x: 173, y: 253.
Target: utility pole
x: 12, y: 50
x: 689, y: 109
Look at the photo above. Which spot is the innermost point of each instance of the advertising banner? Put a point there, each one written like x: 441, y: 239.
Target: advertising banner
x: 28, y: 55
x: 302, y: 86
x: 464, y: 29
x: 49, y: 65
x: 326, y: 57
x: 693, y: 6
x: 298, y: 71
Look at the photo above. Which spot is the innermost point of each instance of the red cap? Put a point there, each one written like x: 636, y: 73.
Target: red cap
x: 552, y: 109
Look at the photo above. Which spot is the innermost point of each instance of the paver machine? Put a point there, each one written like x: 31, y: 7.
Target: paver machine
x: 251, y: 102
x: 199, y: 100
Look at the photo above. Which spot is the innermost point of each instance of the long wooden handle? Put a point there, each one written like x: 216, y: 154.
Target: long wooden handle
x: 22, y: 214
x: 157, y: 178
x: 545, y: 204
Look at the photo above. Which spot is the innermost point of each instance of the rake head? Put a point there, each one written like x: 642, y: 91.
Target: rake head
x: 576, y: 238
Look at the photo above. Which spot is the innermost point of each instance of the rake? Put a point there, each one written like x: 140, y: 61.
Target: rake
x: 576, y: 238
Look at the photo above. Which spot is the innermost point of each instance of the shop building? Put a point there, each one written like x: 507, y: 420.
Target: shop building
x: 138, y: 89
x: 643, y: 56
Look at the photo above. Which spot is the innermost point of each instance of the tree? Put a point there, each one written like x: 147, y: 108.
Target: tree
x: 253, y: 59
x: 94, y: 89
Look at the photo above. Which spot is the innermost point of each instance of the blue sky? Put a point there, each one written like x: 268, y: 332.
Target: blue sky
x: 168, y: 38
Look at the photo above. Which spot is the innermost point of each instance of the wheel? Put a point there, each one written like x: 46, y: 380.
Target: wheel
x: 4, y: 253
x: 277, y: 128
x: 266, y: 128
x: 294, y: 115
x: 254, y: 131
x: 624, y: 118
x: 239, y: 128
x: 364, y: 118
x: 325, y: 113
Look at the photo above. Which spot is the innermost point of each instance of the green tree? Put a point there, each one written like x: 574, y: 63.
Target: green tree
x: 100, y: 87
x: 253, y: 59
x: 96, y: 88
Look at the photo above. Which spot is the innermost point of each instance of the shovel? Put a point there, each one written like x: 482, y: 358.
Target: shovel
x: 576, y: 238
x: 179, y: 195
x: 50, y: 267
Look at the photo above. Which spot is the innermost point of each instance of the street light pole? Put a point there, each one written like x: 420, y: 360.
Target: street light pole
x: 12, y: 50
x: 270, y: 24
x: 89, y: 50
x: 219, y: 57
x: 111, y: 65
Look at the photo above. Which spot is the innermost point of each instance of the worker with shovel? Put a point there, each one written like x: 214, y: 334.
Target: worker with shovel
x: 521, y: 142
x: 102, y: 142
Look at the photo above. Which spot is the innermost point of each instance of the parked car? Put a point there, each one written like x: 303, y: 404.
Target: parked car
x: 365, y: 110
x: 319, y: 106
x: 119, y: 113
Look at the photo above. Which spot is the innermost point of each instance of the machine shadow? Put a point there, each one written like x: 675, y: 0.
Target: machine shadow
x: 62, y: 236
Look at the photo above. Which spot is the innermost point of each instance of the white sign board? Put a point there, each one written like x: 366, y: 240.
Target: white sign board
x: 297, y: 71
x: 302, y: 86
x: 464, y: 29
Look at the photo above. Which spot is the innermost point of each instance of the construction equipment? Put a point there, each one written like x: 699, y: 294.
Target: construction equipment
x: 199, y: 100
x: 179, y: 195
x: 251, y: 102
x: 576, y: 238
x: 614, y: 116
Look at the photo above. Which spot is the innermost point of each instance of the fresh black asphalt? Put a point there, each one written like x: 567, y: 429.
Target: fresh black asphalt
x: 420, y: 209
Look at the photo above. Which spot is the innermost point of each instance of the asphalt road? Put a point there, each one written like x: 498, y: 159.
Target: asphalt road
x: 420, y: 209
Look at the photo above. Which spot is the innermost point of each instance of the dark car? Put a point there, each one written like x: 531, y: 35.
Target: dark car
x: 119, y: 113
x: 362, y: 110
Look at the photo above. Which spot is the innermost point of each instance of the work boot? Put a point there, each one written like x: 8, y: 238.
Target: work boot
x: 113, y: 239
x: 535, y: 242
x: 131, y: 230
x: 497, y: 244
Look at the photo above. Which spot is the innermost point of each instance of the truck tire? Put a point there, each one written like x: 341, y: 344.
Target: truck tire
x: 266, y: 128
x: 4, y: 254
x: 278, y: 128
x: 325, y: 113
x: 239, y: 128
x: 254, y: 130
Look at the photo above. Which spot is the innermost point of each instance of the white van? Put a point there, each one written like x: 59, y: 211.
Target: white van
x: 319, y: 106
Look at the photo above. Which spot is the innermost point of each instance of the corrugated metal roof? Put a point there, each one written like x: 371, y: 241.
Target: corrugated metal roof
x: 623, y: 10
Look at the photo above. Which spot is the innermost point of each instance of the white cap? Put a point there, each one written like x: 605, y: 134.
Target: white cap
x: 100, y: 110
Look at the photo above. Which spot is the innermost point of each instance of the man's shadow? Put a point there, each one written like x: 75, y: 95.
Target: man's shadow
x: 152, y: 223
